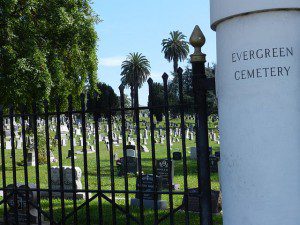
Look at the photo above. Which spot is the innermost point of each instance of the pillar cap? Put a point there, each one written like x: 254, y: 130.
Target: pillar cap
x: 222, y: 10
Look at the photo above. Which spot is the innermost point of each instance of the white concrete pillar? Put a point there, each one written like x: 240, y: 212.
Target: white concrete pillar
x: 258, y: 87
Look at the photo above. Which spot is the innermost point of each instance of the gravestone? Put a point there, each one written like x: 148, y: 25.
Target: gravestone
x: 64, y: 130
x: 7, y: 133
x: 131, y: 143
x: 193, y: 201
x: 148, y: 199
x: 162, y: 140
x: 19, y: 144
x: 132, y: 165
x: 115, y: 156
x: 177, y: 156
x: 30, y: 159
x: 8, y: 145
x: 130, y: 151
x: 23, y: 217
x: 193, y: 153
x: 162, y: 169
x: 213, y: 164
x: 74, y: 142
x: 144, y: 141
x: 52, y: 157
x: 68, y: 181
x: 77, y: 131
x: 191, y: 136
x: 144, y: 148
x: 70, y: 155
x: 63, y: 142
x: 146, y: 134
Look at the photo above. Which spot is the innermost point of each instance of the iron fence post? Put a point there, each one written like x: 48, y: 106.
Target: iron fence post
x: 198, y: 60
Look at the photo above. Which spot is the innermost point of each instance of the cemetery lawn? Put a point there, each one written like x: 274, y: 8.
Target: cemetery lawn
x: 105, y: 177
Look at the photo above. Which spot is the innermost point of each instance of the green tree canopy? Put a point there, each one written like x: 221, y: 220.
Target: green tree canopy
x: 47, y: 50
x: 135, y: 71
x: 158, y: 100
x: 175, y: 48
x: 107, y: 98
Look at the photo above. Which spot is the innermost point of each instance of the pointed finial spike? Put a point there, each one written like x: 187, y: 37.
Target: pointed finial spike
x: 165, y: 76
x: 180, y: 70
x: 121, y: 87
x: 197, y: 40
x: 150, y: 81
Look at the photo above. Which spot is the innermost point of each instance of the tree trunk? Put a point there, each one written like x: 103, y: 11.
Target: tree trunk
x: 132, y: 96
x: 175, y: 65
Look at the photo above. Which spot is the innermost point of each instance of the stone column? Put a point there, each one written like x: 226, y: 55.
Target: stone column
x: 258, y: 87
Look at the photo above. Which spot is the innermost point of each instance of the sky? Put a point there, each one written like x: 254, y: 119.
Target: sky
x: 140, y: 26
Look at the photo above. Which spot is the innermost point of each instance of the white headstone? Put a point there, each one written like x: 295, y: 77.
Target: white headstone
x: 193, y: 153
x: 8, y: 145
x: 131, y: 153
x: 63, y: 142
x: 144, y: 148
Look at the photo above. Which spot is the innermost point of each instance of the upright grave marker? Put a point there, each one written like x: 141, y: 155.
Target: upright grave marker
x: 149, y: 198
x: 162, y: 169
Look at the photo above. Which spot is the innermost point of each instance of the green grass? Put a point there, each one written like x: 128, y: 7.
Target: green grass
x: 105, y: 177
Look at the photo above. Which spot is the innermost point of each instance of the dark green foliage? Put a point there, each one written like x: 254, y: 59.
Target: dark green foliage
x: 158, y: 101
x: 107, y: 98
x: 47, y: 50
x: 212, y: 101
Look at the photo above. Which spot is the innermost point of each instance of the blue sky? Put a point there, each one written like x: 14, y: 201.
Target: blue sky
x: 140, y: 26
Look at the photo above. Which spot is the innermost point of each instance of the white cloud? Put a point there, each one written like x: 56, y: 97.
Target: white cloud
x: 115, y: 61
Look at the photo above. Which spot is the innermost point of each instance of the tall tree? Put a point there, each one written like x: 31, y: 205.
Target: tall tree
x: 158, y: 101
x: 135, y: 71
x: 107, y: 98
x: 47, y: 50
x: 175, y: 48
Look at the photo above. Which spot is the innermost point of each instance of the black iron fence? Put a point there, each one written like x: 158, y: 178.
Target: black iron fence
x: 52, y: 174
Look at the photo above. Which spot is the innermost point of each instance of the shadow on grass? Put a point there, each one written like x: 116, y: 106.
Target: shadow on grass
x: 107, y: 215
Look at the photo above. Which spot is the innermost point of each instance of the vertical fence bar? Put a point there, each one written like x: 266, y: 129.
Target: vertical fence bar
x: 184, y: 158
x: 138, y: 143
x: 198, y: 65
x: 46, y: 110
x: 13, y: 156
x: 122, y: 98
x: 112, y: 172
x: 3, y: 165
x: 25, y: 156
x: 167, y: 119
x: 37, y: 168
x: 150, y: 83
x: 86, y: 178
x: 61, y: 175
x: 98, y: 160
x: 70, y: 117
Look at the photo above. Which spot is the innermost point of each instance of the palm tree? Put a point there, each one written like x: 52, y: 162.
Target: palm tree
x: 175, y: 48
x: 135, y: 71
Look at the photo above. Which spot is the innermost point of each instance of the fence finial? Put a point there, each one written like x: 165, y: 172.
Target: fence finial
x: 197, y: 40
